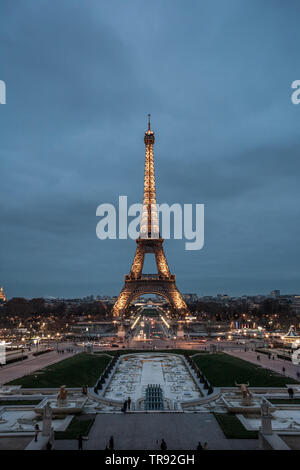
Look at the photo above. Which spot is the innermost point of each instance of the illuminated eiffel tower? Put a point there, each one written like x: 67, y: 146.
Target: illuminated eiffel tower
x: 149, y: 241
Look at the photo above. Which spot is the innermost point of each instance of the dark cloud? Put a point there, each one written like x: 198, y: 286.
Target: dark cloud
x: 81, y: 77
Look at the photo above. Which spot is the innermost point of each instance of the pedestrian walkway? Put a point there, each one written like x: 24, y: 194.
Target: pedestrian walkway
x: 275, y: 365
x: 30, y: 365
x: 144, y: 431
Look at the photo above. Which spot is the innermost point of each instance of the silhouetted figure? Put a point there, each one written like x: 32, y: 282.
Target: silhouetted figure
x: 283, y: 369
x: 128, y: 402
x: 111, y: 443
x: 80, y: 441
x: 49, y: 446
x: 125, y: 406
x: 291, y: 392
x: 199, y: 446
x: 36, y: 432
x: 163, y: 445
x: 205, y: 446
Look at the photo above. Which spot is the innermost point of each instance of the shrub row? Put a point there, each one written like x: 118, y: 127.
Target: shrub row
x: 206, y: 384
x: 44, y: 351
x: 106, y: 373
x: 280, y: 356
x: 16, y: 359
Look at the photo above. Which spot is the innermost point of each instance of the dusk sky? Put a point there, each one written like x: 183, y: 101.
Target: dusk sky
x: 81, y: 76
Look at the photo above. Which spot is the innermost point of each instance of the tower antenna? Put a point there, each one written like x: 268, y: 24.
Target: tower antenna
x: 149, y: 116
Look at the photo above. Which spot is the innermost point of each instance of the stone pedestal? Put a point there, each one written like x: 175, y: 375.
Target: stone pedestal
x: 266, y: 425
x: 266, y: 418
x: 246, y: 401
x: 88, y: 348
x: 121, y: 332
x: 47, y: 420
x: 62, y: 402
x: 180, y: 331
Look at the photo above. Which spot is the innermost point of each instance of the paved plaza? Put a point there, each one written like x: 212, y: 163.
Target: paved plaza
x: 272, y: 364
x: 140, y: 431
x: 28, y: 366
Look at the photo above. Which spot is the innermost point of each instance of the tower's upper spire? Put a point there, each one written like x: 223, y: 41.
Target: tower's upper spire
x: 149, y: 134
x: 149, y: 223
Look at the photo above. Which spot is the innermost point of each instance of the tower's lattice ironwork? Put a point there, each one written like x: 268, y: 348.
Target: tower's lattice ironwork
x: 149, y: 241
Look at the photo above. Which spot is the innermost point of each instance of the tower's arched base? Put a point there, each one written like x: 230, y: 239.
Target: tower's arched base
x: 150, y: 284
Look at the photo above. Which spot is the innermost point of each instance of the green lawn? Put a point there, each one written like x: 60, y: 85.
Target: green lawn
x: 19, y: 402
x: 82, y: 369
x: 224, y: 370
x: 285, y: 401
x: 77, y: 426
x: 233, y: 428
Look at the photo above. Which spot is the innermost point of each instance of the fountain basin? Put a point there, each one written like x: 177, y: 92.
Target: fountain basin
x: 73, y: 407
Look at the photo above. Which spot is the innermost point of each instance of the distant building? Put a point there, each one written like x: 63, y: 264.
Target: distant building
x: 291, y: 337
x: 93, y: 329
x: 275, y: 293
x: 296, y: 304
x: 190, y: 297
x: 2, y: 295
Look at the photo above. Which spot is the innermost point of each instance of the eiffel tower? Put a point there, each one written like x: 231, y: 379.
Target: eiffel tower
x: 149, y: 241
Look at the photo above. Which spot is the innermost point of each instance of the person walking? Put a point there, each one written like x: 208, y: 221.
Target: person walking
x: 111, y: 443
x: 163, y: 445
x: 80, y: 442
x: 125, y: 406
x: 283, y: 369
x: 128, y: 403
x: 49, y: 446
x: 36, y: 432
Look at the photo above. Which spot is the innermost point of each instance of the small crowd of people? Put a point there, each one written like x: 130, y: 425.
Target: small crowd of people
x: 202, y: 447
x: 126, y: 405
x: 273, y: 357
x: 68, y: 350
x: 163, y: 445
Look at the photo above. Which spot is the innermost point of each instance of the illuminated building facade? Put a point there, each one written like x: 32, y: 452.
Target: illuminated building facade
x: 149, y: 241
x: 291, y: 338
x: 2, y: 295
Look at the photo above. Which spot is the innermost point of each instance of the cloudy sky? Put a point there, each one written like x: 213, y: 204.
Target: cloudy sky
x: 81, y: 76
